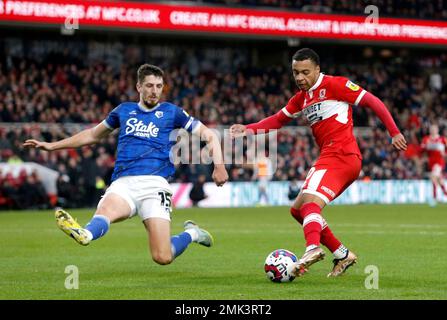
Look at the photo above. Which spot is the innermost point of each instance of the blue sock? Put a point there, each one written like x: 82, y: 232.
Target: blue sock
x: 98, y: 226
x: 179, y: 243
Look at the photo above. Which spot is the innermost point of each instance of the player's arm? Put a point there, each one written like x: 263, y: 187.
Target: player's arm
x: 184, y: 120
x: 83, y: 138
x: 375, y: 104
x: 220, y: 175
x: 351, y: 93
x: 274, y: 122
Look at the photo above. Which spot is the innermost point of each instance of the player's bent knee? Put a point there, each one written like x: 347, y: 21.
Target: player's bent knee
x: 162, y: 259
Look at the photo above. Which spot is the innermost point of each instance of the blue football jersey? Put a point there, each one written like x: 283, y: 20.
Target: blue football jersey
x: 144, y: 137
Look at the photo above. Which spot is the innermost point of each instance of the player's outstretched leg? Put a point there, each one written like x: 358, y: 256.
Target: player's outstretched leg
x: 341, y: 265
x: 96, y: 228
x: 198, y: 235
x: 192, y: 233
x: 71, y: 227
x: 165, y: 248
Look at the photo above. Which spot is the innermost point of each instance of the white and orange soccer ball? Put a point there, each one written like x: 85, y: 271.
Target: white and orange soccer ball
x: 279, y: 265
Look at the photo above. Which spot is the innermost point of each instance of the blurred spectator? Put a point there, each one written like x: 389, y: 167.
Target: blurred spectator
x: 65, y: 191
x: 33, y: 194
x: 294, y: 190
x: 23, y: 191
x: 197, y: 192
x: 88, y: 176
x: 100, y: 187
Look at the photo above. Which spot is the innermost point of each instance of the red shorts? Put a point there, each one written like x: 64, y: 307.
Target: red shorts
x: 331, y: 175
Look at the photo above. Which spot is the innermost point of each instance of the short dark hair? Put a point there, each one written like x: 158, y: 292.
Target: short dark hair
x: 148, y: 70
x: 305, y: 54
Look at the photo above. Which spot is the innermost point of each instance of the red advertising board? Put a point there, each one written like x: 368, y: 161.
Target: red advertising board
x: 220, y: 20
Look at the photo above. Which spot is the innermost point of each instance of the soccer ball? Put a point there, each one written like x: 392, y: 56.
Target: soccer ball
x: 279, y: 265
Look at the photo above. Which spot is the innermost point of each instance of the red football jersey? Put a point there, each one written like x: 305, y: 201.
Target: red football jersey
x: 435, y: 147
x: 327, y: 107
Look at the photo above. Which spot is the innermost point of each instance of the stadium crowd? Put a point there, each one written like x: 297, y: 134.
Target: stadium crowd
x: 22, y: 191
x: 42, y: 98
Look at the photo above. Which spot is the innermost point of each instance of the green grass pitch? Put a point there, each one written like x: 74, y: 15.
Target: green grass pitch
x: 407, y: 243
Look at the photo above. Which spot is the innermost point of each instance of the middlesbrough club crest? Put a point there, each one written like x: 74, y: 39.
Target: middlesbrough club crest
x: 322, y: 94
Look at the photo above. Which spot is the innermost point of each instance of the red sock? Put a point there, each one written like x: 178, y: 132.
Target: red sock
x: 312, y: 223
x: 443, y: 189
x: 434, y: 190
x: 329, y: 240
x: 327, y: 237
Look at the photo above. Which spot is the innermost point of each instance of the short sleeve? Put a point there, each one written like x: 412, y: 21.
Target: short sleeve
x: 113, y: 120
x: 294, y: 106
x: 184, y: 120
x: 347, y: 91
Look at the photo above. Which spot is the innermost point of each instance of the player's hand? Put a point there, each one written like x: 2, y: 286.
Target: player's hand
x: 31, y: 143
x: 399, y: 142
x: 238, y: 130
x: 220, y: 175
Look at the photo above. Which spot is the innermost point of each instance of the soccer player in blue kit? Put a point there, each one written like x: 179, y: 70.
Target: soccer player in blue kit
x: 139, y: 181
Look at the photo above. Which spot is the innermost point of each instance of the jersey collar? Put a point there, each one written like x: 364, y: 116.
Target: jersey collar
x: 317, y: 84
x: 145, y: 109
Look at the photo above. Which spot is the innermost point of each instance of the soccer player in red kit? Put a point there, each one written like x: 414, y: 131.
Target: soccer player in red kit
x: 326, y: 103
x: 435, y: 145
